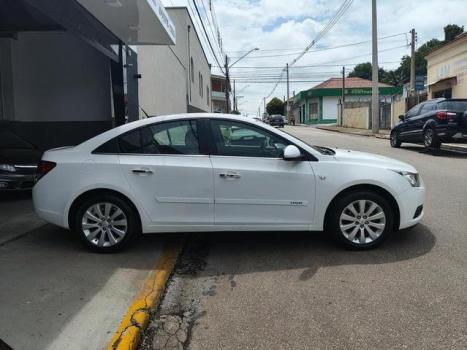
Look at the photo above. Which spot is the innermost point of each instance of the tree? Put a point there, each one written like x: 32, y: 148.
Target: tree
x: 275, y: 106
x: 235, y: 112
x: 361, y: 70
x: 451, y: 31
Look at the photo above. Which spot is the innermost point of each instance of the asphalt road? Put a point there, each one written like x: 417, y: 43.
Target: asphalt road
x: 300, y: 291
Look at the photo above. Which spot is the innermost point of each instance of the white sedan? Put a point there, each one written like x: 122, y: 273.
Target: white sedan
x: 212, y: 172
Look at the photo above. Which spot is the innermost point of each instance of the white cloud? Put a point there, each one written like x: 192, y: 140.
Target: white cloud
x: 273, y: 24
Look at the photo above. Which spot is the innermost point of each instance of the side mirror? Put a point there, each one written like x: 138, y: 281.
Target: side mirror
x: 401, y: 117
x: 292, y: 152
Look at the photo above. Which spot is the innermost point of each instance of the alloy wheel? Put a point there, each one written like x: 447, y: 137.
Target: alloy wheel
x: 362, y: 221
x: 104, y: 224
x: 428, y: 138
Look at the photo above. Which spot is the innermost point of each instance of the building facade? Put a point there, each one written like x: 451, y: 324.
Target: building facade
x: 320, y: 104
x: 218, y: 83
x: 66, y: 70
x: 447, y: 69
x: 175, y: 78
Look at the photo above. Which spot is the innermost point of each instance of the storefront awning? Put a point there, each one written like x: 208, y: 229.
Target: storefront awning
x: 135, y: 22
x: 452, y: 80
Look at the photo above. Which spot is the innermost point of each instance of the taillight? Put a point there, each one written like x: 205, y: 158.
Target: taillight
x: 443, y: 115
x: 43, y: 168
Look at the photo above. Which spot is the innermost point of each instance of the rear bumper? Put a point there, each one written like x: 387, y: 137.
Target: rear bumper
x: 411, y: 206
x: 451, y: 134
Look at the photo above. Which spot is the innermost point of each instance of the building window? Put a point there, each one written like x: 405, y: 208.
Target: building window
x: 313, y: 110
x: 192, y: 66
x: 200, y: 84
x: 207, y: 95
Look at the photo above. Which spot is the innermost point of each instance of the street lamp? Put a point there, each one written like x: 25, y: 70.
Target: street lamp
x: 227, y: 66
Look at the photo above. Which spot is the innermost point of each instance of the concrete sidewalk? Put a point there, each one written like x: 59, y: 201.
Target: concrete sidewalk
x: 383, y: 134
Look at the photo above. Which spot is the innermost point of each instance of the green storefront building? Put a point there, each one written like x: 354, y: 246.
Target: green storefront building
x: 319, y: 105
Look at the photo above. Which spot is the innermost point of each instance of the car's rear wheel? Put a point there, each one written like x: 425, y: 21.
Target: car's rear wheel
x: 106, y: 223
x: 430, y: 139
x: 361, y: 220
x: 395, y: 140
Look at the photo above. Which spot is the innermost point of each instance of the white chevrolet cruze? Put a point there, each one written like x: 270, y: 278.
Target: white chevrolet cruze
x: 212, y: 172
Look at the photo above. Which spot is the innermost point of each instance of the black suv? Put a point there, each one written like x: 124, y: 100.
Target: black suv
x: 433, y: 122
x: 276, y: 120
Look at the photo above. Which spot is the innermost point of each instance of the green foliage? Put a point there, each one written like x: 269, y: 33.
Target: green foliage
x: 275, y: 106
x: 235, y: 112
x: 361, y: 70
x: 401, y: 75
x: 451, y: 31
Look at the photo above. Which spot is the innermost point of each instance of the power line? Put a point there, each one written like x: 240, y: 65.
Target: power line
x: 340, y: 12
x: 317, y: 50
x: 300, y: 48
x: 205, y: 33
x: 210, y: 25
x: 307, y: 66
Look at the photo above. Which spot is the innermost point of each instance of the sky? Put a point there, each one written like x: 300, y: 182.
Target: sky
x: 282, y: 29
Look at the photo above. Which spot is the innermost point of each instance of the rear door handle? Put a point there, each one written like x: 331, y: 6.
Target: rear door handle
x: 142, y: 171
x: 229, y: 175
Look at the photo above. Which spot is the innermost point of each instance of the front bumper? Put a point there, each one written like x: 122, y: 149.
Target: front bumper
x: 411, y: 206
x: 16, y: 182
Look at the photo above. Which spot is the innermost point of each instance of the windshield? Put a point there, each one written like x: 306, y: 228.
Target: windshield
x: 323, y: 150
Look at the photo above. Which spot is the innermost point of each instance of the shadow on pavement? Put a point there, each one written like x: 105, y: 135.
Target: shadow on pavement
x: 51, y: 283
x: 443, y: 152
x: 246, y: 252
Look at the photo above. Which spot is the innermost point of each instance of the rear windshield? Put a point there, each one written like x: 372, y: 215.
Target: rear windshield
x: 456, y: 106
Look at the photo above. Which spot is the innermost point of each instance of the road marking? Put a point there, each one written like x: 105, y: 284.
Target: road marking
x: 136, y: 318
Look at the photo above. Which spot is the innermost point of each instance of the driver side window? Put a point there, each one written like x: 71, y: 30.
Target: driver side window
x: 238, y: 139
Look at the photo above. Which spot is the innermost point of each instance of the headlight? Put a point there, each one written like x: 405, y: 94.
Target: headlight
x: 412, y: 178
x: 7, y: 167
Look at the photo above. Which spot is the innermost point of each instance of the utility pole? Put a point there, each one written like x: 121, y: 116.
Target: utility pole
x: 226, y: 66
x: 287, y: 104
x: 264, y: 104
x: 412, y: 63
x: 374, y: 77
x: 343, y: 96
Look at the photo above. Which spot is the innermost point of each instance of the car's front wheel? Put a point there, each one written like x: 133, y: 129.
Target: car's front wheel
x: 361, y: 220
x: 106, y: 223
x: 395, y: 140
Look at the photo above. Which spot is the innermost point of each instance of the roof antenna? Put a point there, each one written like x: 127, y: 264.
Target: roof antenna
x: 147, y: 115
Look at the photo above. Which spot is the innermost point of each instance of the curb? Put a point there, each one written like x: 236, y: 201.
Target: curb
x: 136, y: 319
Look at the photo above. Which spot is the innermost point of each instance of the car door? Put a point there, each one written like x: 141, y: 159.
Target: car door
x: 409, y: 128
x: 168, y: 173
x: 253, y: 184
x: 418, y: 121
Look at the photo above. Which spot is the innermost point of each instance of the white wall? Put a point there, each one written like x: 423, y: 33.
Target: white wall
x: 165, y: 84
x: 330, y: 107
x: 58, y: 77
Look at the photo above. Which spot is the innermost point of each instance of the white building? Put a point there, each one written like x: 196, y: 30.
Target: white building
x: 175, y: 78
x: 62, y: 75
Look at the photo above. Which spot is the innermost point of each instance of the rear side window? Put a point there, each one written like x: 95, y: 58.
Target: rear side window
x: 456, y: 106
x: 178, y: 137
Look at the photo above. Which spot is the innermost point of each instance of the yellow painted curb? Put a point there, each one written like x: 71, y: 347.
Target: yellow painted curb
x: 136, y: 318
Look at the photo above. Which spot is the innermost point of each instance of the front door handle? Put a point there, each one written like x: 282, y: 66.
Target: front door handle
x: 142, y: 171
x: 229, y: 175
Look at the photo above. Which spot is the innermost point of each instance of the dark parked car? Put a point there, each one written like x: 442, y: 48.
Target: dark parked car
x: 276, y: 120
x: 432, y: 123
x: 18, y: 162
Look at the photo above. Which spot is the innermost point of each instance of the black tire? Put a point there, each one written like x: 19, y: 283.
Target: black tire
x: 132, y: 227
x: 395, y: 140
x: 430, y: 139
x: 339, y: 207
